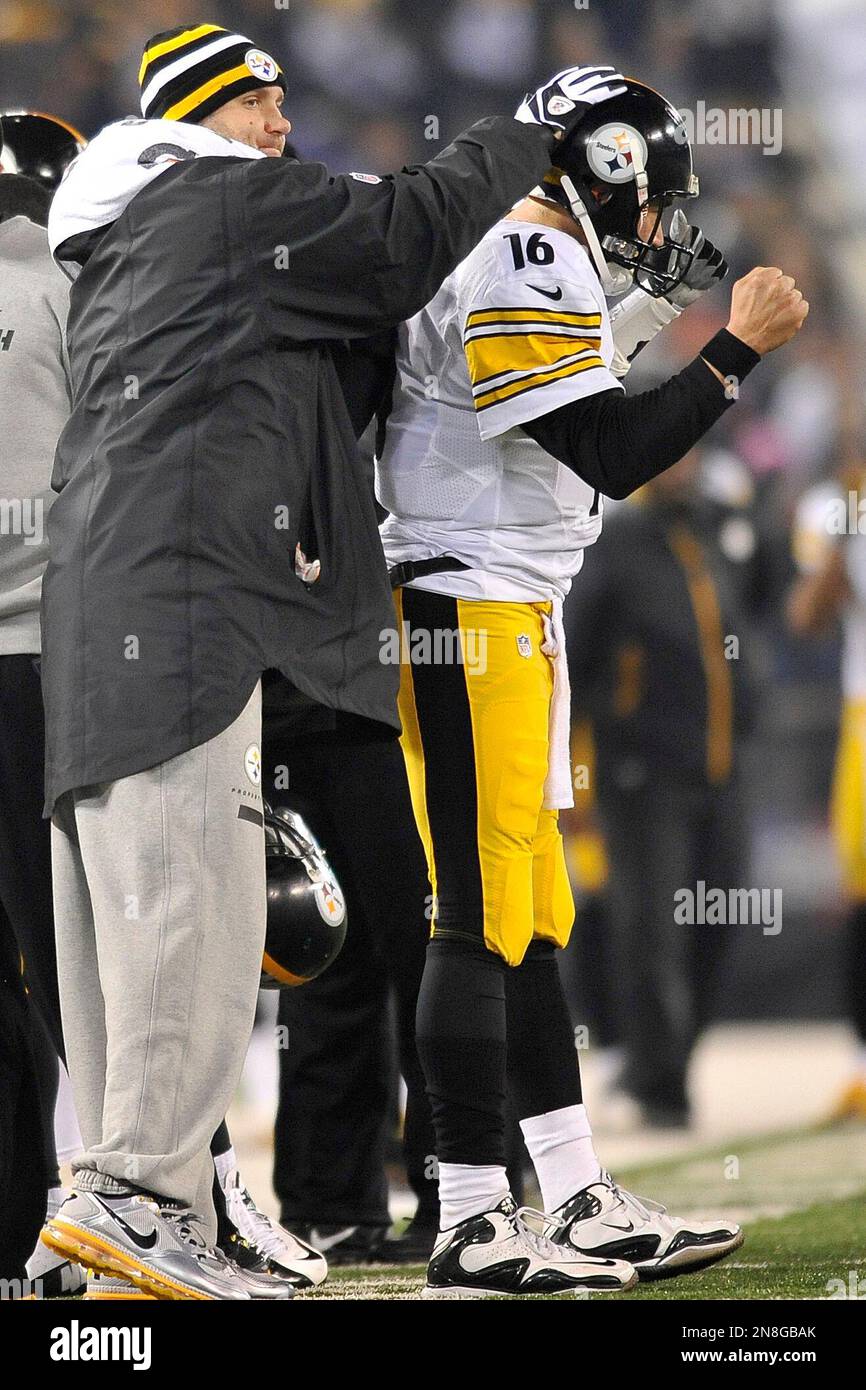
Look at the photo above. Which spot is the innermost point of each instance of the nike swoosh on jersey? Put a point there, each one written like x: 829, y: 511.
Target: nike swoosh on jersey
x: 548, y: 294
x: 143, y: 1242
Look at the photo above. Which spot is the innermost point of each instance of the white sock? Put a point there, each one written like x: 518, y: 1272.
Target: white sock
x: 560, y: 1146
x: 224, y: 1164
x: 467, y: 1189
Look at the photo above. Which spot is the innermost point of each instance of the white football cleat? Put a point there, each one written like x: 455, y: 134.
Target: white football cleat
x: 604, y: 1219
x: 50, y: 1274
x: 288, y: 1256
x: 505, y: 1252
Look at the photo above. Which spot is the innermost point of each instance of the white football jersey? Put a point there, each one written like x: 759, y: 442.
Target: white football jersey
x: 816, y: 529
x: 520, y: 328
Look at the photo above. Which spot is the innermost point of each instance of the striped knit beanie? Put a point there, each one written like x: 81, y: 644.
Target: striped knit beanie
x: 187, y: 73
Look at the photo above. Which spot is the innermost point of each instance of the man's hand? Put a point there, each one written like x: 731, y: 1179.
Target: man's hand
x: 562, y: 101
x: 767, y: 309
x: 707, y: 268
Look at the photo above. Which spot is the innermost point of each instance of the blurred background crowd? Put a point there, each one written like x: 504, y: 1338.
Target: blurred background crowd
x: 376, y: 84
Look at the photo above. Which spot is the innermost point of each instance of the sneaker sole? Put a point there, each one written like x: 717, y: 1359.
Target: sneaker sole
x: 81, y: 1245
x: 464, y: 1291
x: 134, y: 1296
x: 689, y: 1260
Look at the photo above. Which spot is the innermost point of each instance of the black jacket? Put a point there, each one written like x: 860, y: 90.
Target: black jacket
x: 209, y: 435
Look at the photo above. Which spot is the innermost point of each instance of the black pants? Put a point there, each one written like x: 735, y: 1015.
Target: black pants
x: 23, y: 1169
x: 661, y: 837
x: 336, y: 1075
x: 30, y: 1032
x: 25, y: 838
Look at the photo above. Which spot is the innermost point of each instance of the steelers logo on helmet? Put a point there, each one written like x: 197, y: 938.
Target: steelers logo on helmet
x: 306, y: 907
x: 253, y: 764
x: 261, y: 65
x: 609, y: 152
x: 330, y: 901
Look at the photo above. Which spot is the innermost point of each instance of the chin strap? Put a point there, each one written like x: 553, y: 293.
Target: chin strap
x: 614, y: 279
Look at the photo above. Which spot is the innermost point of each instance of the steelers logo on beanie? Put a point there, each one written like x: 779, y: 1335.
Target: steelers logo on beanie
x: 187, y: 73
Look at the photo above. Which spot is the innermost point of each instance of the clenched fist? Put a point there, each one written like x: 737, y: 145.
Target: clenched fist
x: 767, y: 309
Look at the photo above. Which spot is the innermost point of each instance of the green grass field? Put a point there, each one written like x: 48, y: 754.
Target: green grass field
x: 802, y: 1200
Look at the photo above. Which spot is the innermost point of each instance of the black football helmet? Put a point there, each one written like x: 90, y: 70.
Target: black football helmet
x: 627, y: 152
x: 306, y: 908
x: 40, y: 146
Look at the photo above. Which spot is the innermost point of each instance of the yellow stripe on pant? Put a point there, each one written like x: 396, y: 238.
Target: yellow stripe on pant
x: 476, y: 744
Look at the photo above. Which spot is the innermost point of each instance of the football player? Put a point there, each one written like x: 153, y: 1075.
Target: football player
x: 831, y: 556
x: 509, y: 426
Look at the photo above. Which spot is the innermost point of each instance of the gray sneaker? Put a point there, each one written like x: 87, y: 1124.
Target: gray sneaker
x: 265, y: 1286
x: 159, y: 1250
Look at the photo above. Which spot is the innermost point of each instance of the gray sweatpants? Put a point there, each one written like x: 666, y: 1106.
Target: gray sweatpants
x: 159, y: 907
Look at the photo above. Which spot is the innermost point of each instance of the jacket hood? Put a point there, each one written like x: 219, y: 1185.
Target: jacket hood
x: 118, y: 163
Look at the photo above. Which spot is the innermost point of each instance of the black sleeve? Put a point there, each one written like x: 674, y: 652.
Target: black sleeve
x: 340, y: 257
x: 616, y: 443
x: 366, y: 371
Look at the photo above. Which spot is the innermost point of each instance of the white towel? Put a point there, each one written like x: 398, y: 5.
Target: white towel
x: 119, y: 162
x: 558, y: 788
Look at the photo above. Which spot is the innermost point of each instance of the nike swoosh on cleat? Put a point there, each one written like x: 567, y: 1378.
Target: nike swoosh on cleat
x: 326, y: 1242
x: 614, y: 1226
x: 548, y: 294
x: 143, y: 1242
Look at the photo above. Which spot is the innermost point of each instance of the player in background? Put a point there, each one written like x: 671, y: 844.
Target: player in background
x: 666, y: 712
x: 34, y: 403
x: 832, y: 590
x: 508, y: 428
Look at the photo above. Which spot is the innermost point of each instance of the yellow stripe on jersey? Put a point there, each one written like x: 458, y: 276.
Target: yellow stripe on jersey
x: 486, y: 317
x: 498, y: 353
x: 532, y: 383
x: 183, y: 40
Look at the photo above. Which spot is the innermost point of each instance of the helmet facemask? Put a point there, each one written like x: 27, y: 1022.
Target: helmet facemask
x: 655, y: 269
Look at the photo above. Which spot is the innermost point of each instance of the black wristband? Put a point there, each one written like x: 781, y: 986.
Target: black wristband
x: 729, y: 355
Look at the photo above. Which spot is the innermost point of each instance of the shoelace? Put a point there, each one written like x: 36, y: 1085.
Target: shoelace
x: 644, y: 1205
x: 532, y: 1226
x: 257, y: 1228
x: 181, y: 1223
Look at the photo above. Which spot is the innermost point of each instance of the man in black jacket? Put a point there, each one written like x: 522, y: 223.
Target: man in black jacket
x: 655, y: 630
x: 213, y: 523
